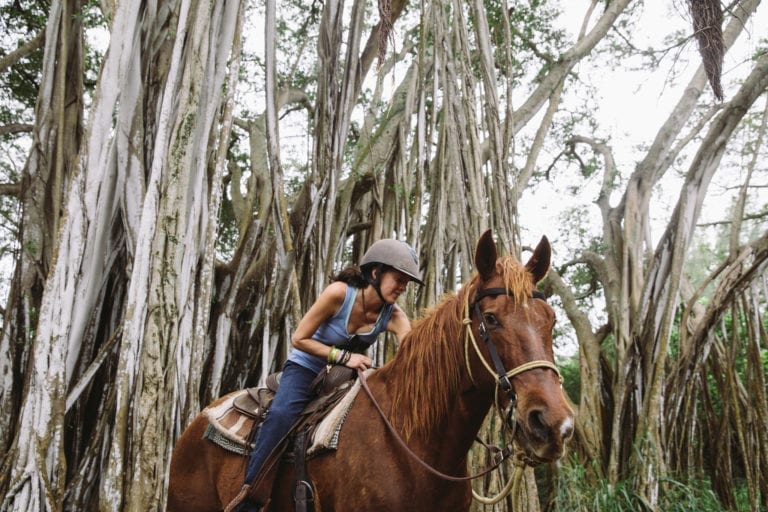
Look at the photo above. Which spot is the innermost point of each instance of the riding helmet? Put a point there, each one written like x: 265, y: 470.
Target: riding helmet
x: 393, y: 253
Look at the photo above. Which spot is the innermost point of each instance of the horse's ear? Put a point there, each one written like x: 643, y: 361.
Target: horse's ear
x: 485, y: 255
x: 538, y: 265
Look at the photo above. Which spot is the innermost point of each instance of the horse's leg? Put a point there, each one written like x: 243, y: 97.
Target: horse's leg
x: 203, y: 476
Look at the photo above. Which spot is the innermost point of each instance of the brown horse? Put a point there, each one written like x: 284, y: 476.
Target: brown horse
x: 436, y: 392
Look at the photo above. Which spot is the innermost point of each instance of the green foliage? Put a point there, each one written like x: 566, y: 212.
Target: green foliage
x: 23, y: 17
x: 97, y: 30
x: 608, y: 349
x: 296, y: 26
x: 703, y: 258
x: 583, y: 278
x: 694, y: 495
x: 294, y: 181
x: 228, y: 233
x: 534, y: 41
x: 577, y: 492
x: 569, y: 369
x: 20, y: 22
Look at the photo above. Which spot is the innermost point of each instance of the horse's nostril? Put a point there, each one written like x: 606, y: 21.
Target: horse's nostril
x: 544, y: 430
x: 538, y: 424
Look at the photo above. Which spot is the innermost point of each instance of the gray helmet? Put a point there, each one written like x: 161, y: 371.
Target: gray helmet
x: 396, y: 254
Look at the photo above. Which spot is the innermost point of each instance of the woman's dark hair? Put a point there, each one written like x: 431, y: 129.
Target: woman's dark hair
x: 353, y: 276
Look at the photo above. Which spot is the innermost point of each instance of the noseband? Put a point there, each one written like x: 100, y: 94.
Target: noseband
x: 501, y: 375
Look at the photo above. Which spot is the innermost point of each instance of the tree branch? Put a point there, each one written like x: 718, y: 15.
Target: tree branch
x: 10, y: 189
x: 16, y: 128
x: 22, y: 51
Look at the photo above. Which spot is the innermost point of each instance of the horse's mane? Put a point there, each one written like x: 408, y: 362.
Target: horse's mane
x: 431, y: 357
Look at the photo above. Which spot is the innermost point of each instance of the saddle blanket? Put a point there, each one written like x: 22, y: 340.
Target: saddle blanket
x: 230, y: 429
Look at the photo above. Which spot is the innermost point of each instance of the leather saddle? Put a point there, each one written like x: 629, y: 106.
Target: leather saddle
x: 256, y: 401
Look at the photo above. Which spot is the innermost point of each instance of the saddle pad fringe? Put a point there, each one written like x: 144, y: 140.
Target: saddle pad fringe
x: 223, y: 441
x: 326, y: 434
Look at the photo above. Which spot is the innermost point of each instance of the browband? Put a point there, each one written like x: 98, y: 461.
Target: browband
x: 493, y: 292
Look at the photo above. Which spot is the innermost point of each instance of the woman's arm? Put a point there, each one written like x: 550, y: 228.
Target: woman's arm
x: 327, y: 304
x: 399, y: 324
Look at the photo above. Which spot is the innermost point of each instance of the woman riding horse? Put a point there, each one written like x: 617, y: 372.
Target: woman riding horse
x: 337, y: 329
x: 488, y: 344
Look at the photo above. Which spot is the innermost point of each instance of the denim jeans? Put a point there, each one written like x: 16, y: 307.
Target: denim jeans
x: 292, y: 396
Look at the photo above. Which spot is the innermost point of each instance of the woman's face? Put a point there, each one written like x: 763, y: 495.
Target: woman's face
x: 393, y: 284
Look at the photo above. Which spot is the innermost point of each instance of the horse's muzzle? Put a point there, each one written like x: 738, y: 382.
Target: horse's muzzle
x: 544, y: 434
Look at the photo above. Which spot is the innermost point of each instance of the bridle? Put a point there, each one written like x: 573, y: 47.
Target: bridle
x: 502, y: 376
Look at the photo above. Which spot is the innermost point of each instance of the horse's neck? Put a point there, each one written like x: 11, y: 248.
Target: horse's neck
x: 460, y: 427
x: 447, y: 442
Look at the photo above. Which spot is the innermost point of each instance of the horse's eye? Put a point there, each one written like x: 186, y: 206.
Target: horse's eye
x: 491, y: 320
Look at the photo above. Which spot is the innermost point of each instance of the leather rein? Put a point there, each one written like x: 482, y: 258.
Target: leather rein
x: 501, y: 375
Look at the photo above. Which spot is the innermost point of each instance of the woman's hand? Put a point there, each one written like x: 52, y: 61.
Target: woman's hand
x: 359, y: 362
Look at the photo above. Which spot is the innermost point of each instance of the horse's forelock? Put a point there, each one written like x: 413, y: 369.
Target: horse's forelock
x: 515, y: 277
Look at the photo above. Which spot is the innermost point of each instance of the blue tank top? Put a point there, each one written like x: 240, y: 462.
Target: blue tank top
x: 334, y: 332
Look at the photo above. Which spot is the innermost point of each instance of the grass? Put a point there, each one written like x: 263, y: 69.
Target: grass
x: 576, y: 493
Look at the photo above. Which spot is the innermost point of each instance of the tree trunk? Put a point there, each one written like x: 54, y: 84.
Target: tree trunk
x: 131, y: 260
x: 36, y: 371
